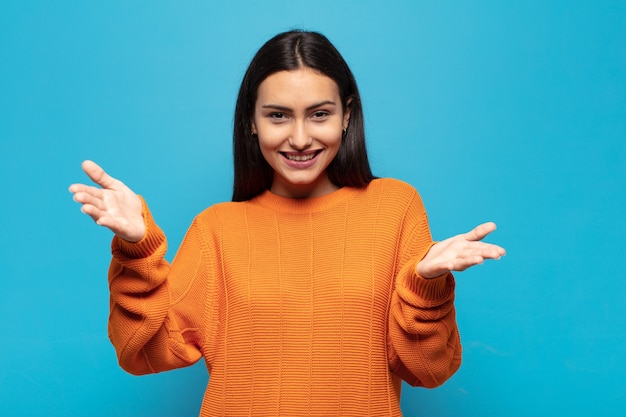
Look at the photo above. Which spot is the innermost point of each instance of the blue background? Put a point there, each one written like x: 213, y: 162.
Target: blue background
x: 507, y: 111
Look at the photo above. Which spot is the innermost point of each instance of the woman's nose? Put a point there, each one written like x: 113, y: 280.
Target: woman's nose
x: 300, y: 138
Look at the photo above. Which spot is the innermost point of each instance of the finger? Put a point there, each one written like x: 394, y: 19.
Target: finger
x: 496, y: 252
x: 87, y: 189
x: 106, y: 221
x: 465, y: 263
x: 485, y: 250
x: 480, y: 231
x: 100, y: 217
x: 97, y: 174
x: 477, y: 257
x: 90, y: 199
x: 74, y: 188
x: 92, y: 211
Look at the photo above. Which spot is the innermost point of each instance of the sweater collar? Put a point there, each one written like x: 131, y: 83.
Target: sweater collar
x: 303, y: 205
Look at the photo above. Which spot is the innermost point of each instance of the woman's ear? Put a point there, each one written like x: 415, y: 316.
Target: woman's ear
x: 253, y: 127
x: 346, y: 113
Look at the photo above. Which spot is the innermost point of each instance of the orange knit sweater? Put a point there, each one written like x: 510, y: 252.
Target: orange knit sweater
x: 299, y: 307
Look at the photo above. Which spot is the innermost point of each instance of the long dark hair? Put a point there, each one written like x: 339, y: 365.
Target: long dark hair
x: 284, y: 52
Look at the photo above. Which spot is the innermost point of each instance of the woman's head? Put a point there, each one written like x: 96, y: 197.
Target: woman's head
x: 290, y: 51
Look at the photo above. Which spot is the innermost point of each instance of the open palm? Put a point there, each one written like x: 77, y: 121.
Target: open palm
x: 460, y: 252
x: 114, y: 205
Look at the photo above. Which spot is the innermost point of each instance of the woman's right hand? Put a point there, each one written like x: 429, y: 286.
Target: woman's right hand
x: 114, y: 206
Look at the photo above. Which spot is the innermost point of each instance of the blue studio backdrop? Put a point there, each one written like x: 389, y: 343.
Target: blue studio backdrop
x: 507, y: 111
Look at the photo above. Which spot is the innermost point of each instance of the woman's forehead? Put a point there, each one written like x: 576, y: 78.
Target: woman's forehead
x: 301, y: 85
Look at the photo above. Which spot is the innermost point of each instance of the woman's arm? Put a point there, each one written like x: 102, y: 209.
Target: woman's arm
x: 145, y: 324
x: 156, y: 309
x: 425, y: 347
x: 424, y: 343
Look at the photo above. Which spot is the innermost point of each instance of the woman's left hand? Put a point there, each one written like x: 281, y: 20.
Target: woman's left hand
x: 460, y: 252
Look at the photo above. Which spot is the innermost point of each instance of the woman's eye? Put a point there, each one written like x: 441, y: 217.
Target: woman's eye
x: 277, y: 116
x: 320, y: 114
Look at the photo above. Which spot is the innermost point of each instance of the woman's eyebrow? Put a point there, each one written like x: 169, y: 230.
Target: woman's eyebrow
x: 311, y: 107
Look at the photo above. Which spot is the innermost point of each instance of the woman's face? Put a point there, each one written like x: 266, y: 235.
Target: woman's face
x: 299, y: 120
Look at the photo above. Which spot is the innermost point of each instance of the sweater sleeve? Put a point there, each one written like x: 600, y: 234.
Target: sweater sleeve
x: 149, y: 324
x: 424, y: 344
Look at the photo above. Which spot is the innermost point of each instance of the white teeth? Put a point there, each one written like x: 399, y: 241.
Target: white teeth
x: 300, y: 157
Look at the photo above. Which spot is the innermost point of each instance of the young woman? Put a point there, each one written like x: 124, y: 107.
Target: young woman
x: 319, y: 288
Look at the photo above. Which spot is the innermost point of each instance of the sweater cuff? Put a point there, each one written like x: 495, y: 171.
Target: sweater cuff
x: 149, y: 244
x: 428, y: 289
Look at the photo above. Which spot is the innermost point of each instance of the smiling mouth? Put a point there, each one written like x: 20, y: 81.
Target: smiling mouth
x: 301, y: 157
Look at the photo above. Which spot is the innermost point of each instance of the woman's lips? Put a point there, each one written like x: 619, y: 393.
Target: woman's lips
x: 300, y: 159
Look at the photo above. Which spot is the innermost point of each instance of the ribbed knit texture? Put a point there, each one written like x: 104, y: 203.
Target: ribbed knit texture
x: 299, y: 307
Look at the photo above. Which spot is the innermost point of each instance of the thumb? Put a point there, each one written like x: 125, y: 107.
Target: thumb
x: 97, y: 174
x: 480, y: 231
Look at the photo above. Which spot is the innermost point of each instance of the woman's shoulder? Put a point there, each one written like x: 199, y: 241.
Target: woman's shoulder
x: 221, y: 212
x: 392, y: 186
x: 394, y: 194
